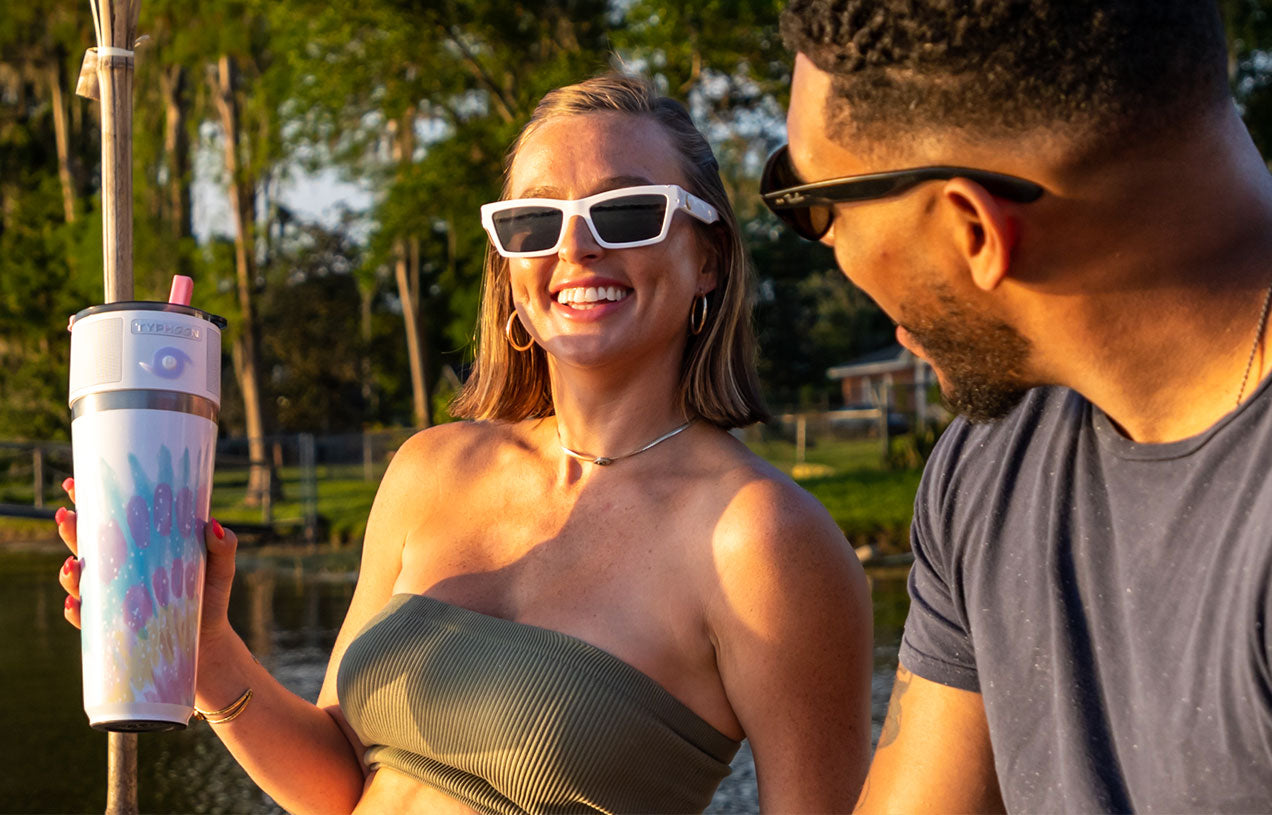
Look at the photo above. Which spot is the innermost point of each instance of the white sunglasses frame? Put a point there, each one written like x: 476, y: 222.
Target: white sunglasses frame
x: 677, y: 198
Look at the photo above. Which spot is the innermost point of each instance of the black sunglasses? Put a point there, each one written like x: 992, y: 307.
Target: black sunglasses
x: 809, y: 208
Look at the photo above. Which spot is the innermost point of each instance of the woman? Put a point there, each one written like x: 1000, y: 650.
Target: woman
x: 583, y: 600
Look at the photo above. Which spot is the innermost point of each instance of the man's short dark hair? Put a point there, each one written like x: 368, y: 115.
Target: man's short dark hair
x: 1105, y: 68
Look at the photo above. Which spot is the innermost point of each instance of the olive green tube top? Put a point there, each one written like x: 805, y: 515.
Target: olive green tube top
x: 511, y: 718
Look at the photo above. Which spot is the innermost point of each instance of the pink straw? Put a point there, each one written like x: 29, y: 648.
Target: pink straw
x: 182, y: 289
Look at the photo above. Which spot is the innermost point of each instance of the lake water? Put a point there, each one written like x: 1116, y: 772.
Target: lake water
x: 288, y: 610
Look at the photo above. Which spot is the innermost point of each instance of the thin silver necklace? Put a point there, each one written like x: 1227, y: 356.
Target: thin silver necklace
x: 1258, y: 335
x: 603, y: 460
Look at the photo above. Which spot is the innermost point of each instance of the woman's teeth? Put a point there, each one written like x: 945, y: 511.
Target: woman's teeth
x: 587, y: 295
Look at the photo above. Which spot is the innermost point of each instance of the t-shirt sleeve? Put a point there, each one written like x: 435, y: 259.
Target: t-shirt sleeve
x: 937, y: 643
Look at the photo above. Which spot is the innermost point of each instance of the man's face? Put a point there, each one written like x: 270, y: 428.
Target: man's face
x: 895, y: 251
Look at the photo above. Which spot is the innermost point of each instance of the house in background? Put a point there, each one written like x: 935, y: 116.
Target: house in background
x: 891, y: 377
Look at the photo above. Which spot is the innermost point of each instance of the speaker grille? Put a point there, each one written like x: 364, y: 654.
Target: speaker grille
x: 100, y: 349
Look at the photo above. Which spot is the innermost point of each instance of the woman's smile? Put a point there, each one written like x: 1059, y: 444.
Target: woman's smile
x: 587, y: 296
x: 590, y: 298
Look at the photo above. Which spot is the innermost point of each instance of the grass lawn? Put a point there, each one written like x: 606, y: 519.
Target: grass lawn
x: 344, y: 499
x: 870, y: 506
x: 870, y: 503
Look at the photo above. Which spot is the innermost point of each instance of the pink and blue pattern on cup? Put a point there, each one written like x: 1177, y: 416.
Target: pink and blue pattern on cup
x: 149, y: 569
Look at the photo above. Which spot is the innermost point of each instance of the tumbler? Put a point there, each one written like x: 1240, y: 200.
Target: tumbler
x: 145, y: 391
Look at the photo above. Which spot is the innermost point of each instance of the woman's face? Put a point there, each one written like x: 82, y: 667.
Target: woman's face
x: 589, y: 306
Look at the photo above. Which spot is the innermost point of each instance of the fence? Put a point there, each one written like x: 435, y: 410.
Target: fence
x: 287, y: 497
x: 31, y: 474
x: 308, y: 485
x: 287, y: 494
x: 891, y: 412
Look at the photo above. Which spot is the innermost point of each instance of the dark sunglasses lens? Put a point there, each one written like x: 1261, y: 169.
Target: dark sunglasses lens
x: 814, y: 221
x: 528, y: 229
x: 629, y: 219
x: 810, y: 222
x: 778, y: 173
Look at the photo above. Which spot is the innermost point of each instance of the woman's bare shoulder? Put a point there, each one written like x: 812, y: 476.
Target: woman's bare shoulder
x: 771, y: 525
x: 765, y: 499
x: 431, y: 469
x: 454, y: 445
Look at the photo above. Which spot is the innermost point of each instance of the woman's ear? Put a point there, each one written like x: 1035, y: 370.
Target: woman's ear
x: 713, y: 255
x: 985, y: 231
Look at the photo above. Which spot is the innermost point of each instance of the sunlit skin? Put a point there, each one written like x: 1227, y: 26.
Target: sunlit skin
x: 695, y: 562
x: 1136, y: 280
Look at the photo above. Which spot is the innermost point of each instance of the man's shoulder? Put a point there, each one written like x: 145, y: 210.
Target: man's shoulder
x: 967, y: 449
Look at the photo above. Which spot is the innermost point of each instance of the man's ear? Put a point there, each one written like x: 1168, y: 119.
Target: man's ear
x: 985, y: 231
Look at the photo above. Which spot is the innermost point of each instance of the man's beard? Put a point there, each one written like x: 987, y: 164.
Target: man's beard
x: 981, y: 360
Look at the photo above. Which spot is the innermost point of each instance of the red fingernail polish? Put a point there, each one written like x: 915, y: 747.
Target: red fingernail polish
x: 68, y: 483
x: 66, y: 567
x: 60, y: 515
x: 218, y: 530
x: 70, y: 601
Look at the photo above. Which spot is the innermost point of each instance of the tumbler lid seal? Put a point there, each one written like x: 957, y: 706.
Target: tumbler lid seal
x: 150, y: 305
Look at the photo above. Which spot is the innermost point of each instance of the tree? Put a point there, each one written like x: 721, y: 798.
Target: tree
x: 801, y: 287
x: 424, y: 101
x: 48, y: 267
x: 169, y: 107
x: 734, y: 79
x: 247, y: 87
x: 307, y: 306
x: 42, y: 44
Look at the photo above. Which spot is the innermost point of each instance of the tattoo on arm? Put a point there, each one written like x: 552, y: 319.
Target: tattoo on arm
x: 892, y: 724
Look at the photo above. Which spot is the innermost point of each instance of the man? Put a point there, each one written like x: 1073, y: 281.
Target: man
x: 1088, y: 270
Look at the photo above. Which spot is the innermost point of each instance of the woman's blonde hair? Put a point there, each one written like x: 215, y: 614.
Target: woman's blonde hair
x: 717, y: 380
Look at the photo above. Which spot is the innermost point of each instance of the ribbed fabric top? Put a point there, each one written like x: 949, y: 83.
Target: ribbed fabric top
x: 511, y: 718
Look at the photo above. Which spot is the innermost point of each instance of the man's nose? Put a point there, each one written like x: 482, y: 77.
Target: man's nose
x: 577, y: 243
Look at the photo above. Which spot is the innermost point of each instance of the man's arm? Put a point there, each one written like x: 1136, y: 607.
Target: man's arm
x: 933, y: 754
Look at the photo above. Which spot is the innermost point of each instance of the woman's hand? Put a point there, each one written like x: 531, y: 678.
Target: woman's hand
x: 221, y: 545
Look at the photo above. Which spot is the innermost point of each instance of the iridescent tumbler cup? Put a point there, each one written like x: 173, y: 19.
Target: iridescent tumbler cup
x: 145, y: 393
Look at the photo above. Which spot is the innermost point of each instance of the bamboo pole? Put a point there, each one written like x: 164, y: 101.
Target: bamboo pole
x: 116, y: 32
x: 116, y: 24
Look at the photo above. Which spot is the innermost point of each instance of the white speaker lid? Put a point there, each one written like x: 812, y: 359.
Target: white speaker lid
x: 149, y: 346
x: 149, y: 305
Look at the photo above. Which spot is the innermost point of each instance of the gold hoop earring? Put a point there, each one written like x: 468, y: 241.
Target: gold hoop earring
x: 508, y: 334
x: 698, y: 316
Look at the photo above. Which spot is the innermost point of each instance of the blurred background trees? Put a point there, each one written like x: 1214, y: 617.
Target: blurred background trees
x: 362, y: 315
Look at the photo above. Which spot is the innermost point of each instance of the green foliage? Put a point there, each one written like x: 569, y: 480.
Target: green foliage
x: 44, y: 278
x: 344, y: 501
x: 421, y: 102
x: 316, y: 392
x: 910, y: 451
x: 808, y: 318
x: 733, y: 42
x: 869, y: 505
x: 1249, y: 25
x: 327, y: 84
x: 442, y: 396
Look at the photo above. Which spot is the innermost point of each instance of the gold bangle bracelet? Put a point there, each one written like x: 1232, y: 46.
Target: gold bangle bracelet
x: 226, y: 714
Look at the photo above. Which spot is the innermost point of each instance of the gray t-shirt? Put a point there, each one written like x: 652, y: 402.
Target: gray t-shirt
x: 1108, y: 600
